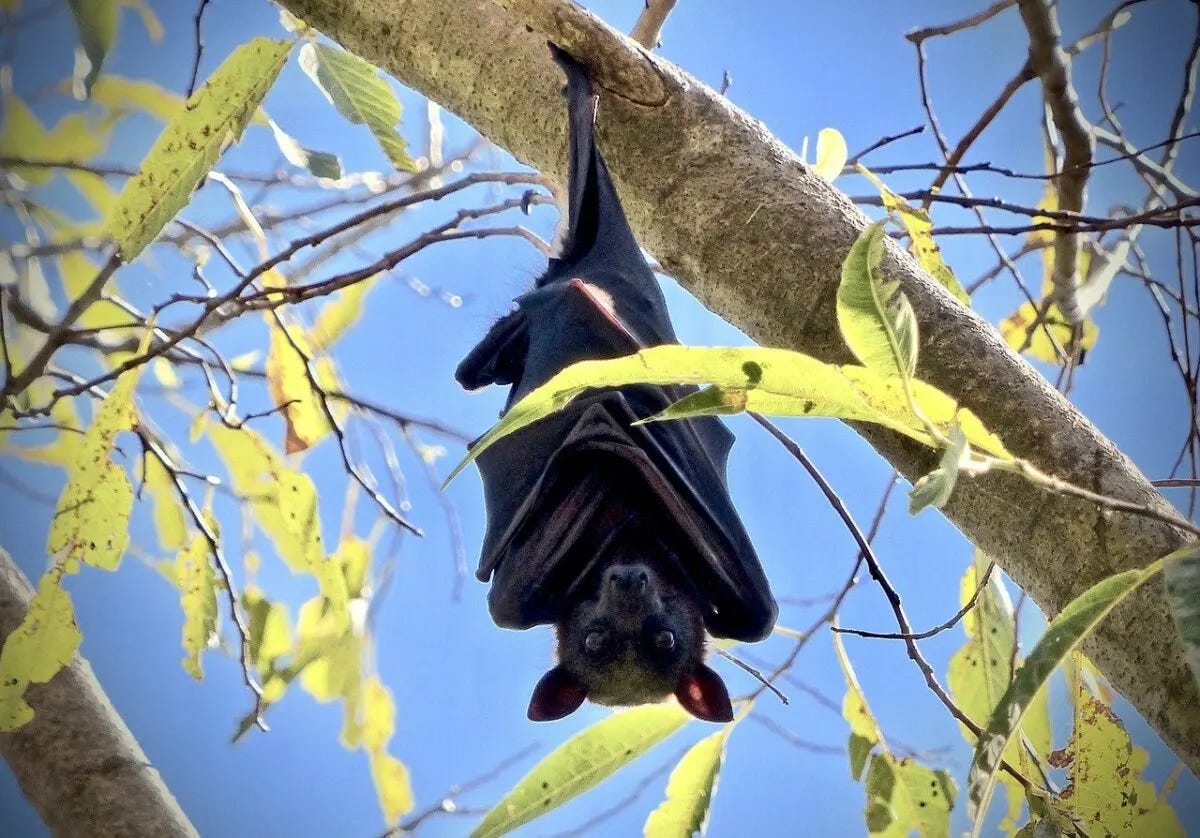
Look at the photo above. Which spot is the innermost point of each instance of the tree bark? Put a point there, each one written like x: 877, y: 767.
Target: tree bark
x: 759, y: 239
x: 76, y: 761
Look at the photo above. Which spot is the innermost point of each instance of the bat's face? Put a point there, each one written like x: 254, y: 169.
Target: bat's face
x: 637, y: 640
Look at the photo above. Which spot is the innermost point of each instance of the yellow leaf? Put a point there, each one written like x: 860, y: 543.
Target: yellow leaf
x: 1015, y: 330
x: 284, y: 501
x: 339, y: 314
x: 198, y: 596
x: 831, y: 154
x: 270, y: 629
x: 44, y: 642
x: 378, y: 715
x: 77, y: 272
x: 169, y: 521
x: 119, y: 92
x: 91, y: 520
x: 393, y: 785
x: 291, y: 390
x: 355, y: 556
x: 923, y: 245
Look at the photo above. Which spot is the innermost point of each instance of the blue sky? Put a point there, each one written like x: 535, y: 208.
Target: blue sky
x: 461, y: 685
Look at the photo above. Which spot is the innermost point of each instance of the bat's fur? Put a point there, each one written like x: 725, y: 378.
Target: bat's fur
x: 621, y: 536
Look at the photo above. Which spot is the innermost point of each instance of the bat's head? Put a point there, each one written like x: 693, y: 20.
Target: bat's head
x: 636, y: 640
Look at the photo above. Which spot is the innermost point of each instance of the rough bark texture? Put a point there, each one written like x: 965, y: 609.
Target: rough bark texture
x: 758, y: 238
x: 77, y: 763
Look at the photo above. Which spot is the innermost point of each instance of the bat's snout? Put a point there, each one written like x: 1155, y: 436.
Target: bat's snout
x: 628, y: 579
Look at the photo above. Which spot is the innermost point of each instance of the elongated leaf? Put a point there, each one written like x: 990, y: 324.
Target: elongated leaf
x: 981, y: 671
x: 118, y: 92
x: 1065, y: 632
x: 874, y: 315
x: 191, y: 143
x: 1016, y: 327
x: 169, y: 521
x: 356, y: 90
x: 580, y: 763
x: 91, y: 520
x: 920, y: 231
x: 393, y: 785
x: 96, y: 21
x: 339, y: 314
x: 197, y: 583
x: 690, y: 790
x: 831, y: 154
x: 769, y: 381
x: 1181, y: 571
x: 44, y: 642
x: 288, y: 383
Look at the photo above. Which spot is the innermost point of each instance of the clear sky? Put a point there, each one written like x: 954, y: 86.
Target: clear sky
x: 461, y: 685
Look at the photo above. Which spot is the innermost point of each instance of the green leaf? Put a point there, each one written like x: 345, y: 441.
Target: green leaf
x: 769, y: 381
x: 874, y: 315
x: 318, y: 163
x: 91, y: 520
x: 690, y: 790
x: 191, y: 143
x: 903, y: 796
x: 356, y: 90
x: 831, y: 154
x: 935, y: 488
x: 96, y: 21
x: 1063, y: 634
x: 980, y: 672
x: 1181, y: 572
x: 44, y: 642
x: 197, y: 583
x: 582, y: 762
x: 920, y: 230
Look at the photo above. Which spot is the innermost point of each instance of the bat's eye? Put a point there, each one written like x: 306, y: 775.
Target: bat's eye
x: 664, y: 640
x: 594, y: 641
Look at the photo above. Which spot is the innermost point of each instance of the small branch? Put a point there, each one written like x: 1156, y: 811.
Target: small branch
x: 198, y: 23
x: 1052, y: 64
x: 916, y: 36
x: 648, y: 29
x: 922, y: 635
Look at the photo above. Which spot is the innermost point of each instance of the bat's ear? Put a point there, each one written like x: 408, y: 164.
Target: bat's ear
x: 557, y: 694
x: 702, y: 693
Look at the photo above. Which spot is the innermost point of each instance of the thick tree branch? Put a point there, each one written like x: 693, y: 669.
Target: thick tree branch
x: 76, y: 762
x: 736, y: 216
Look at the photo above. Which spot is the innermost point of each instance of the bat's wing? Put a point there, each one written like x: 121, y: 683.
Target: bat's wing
x: 548, y: 517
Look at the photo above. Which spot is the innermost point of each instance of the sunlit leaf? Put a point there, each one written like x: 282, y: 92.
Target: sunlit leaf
x: 874, y: 315
x: 768, y: 381
x: 831, y: 154
x: 150, y: 20
x: 1016, y: 332
x: 1106, y: 792
x: 189, y: 145
x: 690, y: 790
x: 1066, y: 631
x: 169, y: 520
x: 73, y: 139
x: 269, y: 628
x: 920, y: 230
x: 339, y: 314
x: 197, y: 582
x: 96, y: 21
x: 282, y: 500
x: 91, y: 520
x: 392, y: 784
x: 120, y: 93
x: 580, y: 763
x: 44, y: 642
x: 981, y: 671
x: 360, y: 95
x: 291, y: 390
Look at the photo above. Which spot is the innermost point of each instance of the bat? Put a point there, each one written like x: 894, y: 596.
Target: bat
x: 623, y: 537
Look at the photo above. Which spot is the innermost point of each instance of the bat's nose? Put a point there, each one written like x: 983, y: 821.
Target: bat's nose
x: 629, y: 579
